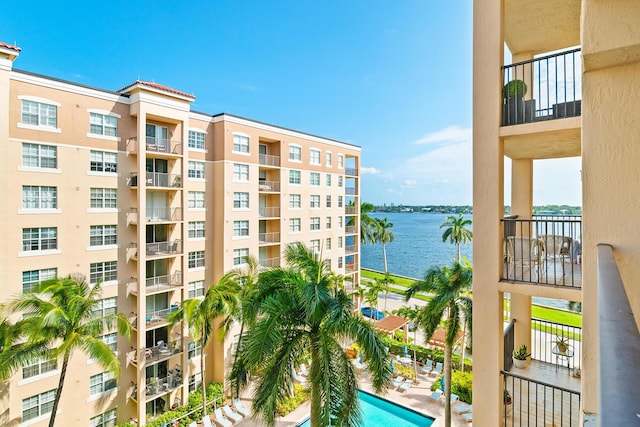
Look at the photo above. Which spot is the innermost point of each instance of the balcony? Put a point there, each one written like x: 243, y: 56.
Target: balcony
x: 351, y: 229
x: 159, y: 386
x: 351, y: 210
x: 269, y: 238
x: 156, y: 215
x: 157, y: 284
x: 269, y: 262
x: 350, y: 191
x: 159, y: 249
x: 540, y: 89
x: 350, y: 249
x: 351, y: 171
x: 269, y: 187
x: 158, y: 353
x: 155, y: 145
x: 158, y: 180
x: 154, y: 319
x: 545, y: 250
x: 266, y: 212
x: 269, y: 160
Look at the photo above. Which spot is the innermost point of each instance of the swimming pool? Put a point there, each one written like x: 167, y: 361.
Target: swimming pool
x: 377, y: 412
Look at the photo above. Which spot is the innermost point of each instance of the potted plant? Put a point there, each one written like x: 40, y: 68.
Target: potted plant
x: 562, y: 344
x: 520, y: 357
x: 506, y: 397
x: 513, y: 106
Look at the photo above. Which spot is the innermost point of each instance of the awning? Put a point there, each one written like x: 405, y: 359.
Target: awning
x: 390, y: 324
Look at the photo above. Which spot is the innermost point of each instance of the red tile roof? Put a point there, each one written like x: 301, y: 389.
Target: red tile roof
x: 159, y: 87
x: 10, y: 46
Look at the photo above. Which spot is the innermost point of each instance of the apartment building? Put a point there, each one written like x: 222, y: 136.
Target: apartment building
x: 135, y: 189
x: 571, y: 89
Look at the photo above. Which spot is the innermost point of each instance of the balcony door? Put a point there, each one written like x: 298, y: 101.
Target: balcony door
x: 158, y: 136
x: 157, y: 206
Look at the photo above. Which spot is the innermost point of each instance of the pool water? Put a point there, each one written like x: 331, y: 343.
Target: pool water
x: 377, y: 412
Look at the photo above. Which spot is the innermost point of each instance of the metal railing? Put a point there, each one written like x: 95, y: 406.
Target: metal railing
x: 351, y: 210
x: 159, y: 315
x: 159, y: 352
x: 269, y: 186
x: 269, y: 237
x: 269, y: 262
x: 536, y: 403
x: 509, y: 344
x: 553, y: 88
x: 268, y: 212
x: 162, y: 145
x: 619, y: 345
x: 350, y: 249
x: 544, y: 334
x: 163, y: 214
x: 157, y: 179
x: 159, y: 282
x: 351, y: 171
x: 351, y: 229
x: 350, y: 191
x: 163, y: 248
x: 269, y: 160
x: 543, y: 251
x: 158, y: 386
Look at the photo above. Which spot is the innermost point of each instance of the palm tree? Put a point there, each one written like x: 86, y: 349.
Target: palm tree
x: 456, y: 232
x: 384, y: 282
x: 221, y: 299
x: 383, y: 235
x: 366, y: 223
x: 451, y: 305
x: 411, y: 314
x: 60, y: 314
x: 301, y: 313
x: 373, y: 293
x: 15, y: 351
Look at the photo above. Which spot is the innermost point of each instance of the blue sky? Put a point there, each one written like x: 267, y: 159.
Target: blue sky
x: 391, y: 77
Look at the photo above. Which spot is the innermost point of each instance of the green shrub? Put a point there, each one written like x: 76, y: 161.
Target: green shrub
x: 422, y: 354
x: 300, y: 394
x: 461, y: 384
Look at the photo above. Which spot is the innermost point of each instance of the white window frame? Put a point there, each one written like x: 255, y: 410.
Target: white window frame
x: 295, y: 177
x: 196, y: 200
x: 195, y: 170
x: 46, y: 239
x: 314, y: 201
x: 340, y: 201
x: 103, y: 198
x: 196, y: 289
x: 43, y: 110
x: 314, y: 156
x: 196, y: 140
x: 194, y: 349
x: 101, y: 383
x: 105, y: 271
x: 241, y: 228
x: 31, y: 278
x: 241, y: 200
x: 240, y: 172
x: 240, y: 143
x: 196, y: 260
x: 36, y: 197
x: 340, y: 222
x: 39, y: 368
x: 314, y: 245
x: 340, y: 181
x: 103, y: 235
x: 196, y: 230
x: 103, y: 162
x: 327, y: 244
x: 328, y: 223
x: 314, y: 223
x: 314, y: 179
x: 327, y: 201
x: 340, y: 242
x: 106, y: 419
x: 42, y: 158
x: 340, y: 161
x: 240, y: 256
x: 295, y: 225
x: 105, y: 125
x: 195, y: 382
x: 295, y: 201
x: 111, y: 340
x: 295, y: 153
x: 328, y: 180
x: 328, y: 158
x: 105, y: 307
x: 339, y: 262
x: 43, y: 401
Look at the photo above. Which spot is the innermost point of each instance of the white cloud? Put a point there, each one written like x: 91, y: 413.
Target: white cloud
x: 454, y: 134
x: 409, y: 183
x: 369, y: 170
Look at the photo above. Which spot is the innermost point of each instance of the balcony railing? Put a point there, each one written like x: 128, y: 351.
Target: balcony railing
x: 351, y: 171
x: 164, y: 248
x: 157, y: 386
x: 543, y: 251
x: 269, y: 262
x: 543, y: 347
x: 163, y: 214
x: 157, y: 179
x: 269, y: 237
x: 350, y: 210
x: 159, y: 352
x: 265, y: 212
x: 155, y: 145
x: 553, y: 88
x: 350, y: 191
x: 159, y: 282
x: 619, y: 345
x: 269, y: 186
x: 351, y: 229
x: 269, y: 160
x: 154, y: 317
x: 350, y: 249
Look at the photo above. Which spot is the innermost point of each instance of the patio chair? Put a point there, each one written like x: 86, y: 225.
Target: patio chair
x: 468, y: 417
x: 523, y: 258
x: 240, y: 408
x: 454, y: 398
x: 299, y: 378
x: 405, y: 386
x: 219, y: 419
x: 436, y: 395
x: 397, y: 381
x: 555, y: 248
x: 461, y: 409
x: 231, y: 414
x: 206, y: 421
x: 437, y: 370
x: 428, y: 367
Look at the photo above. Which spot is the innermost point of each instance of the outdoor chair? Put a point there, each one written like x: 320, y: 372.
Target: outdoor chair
x: 428, y: 367
x: 468, y: 417
x: 240, y: 408
x: 397, y: 381
x: 461, y: 409
x: 231, y: 414
x: 523, y: 258
x: 219, y: 419
x: 299, y: 378
x: 436, y: 395
x: 437, y: 370
x: 405, y: 386
x: 555, y: 248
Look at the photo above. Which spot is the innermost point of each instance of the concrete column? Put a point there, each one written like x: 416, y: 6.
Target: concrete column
x: 141, y: 237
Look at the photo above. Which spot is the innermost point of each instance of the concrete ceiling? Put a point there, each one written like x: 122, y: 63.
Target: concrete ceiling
x: 540, y: 26
x: 550, y: 142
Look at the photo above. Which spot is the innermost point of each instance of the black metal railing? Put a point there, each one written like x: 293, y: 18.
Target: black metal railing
x: 619, y: 344
x: 543, y: 251
x: 351, y: 171
x: 552, y: 88
x: 536, y: 403
x: 509, y: 344
x: 544, y: 347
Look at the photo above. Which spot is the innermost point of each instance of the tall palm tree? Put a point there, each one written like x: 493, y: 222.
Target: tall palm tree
x: 372, y: 294
x: 15, y: 350
x: 385, y: 282
x: 366, y: 223
x: 451, y: 305
x: 301, y: 313
x: 383, y: 235
x: 60, y: 313
x: 221, y: 299
x: 456, y: 231
x: 411, y: 314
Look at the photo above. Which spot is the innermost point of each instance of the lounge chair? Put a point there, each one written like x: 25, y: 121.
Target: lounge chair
x: 304, y: 371
x: 454, y: 398
x: 437, y: 370
x: 428, y: 367
x: 230, y: 414
x: 206, y: 421
x: 194, y: 424
x: 397, y: 381
x: 405, y: 386
x: 436, y: 395
x: 219, y: 419
x: 240, y: 408
x: 299, y: 378
x: 468, y: 417
x: 461, y: 409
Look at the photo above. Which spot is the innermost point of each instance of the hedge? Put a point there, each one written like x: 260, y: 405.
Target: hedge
x: 422, y: 354
x: 461, y: 384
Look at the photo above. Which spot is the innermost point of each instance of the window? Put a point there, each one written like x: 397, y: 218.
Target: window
x: 294, y: 225
x: 196, y: 259
x: 102, y: 161
x: 240, y: 228
x: 107, y: 419
x: 101, y: 383
x: 39, y: 156
x: 315, y: 201
x: 31, y: 278
x: 328, y: 180
x: 328, y: 157
x: 102, y: 124
x: 39, y: 239
x: 195, y: 199
x: 111, y: 340
x: 294, y: 177
x: 196, y: 289
x: 240, y: 143
x: 103, y: 271
x: 339, y: 222
x: 39, y: 114
x: 328, y: 243
x: 328, y: 203
x: 101, y: 235
x: 240, y: 256
x: 195, y: 170
x: 195, y: 382
x: 340, y: 181
x: 339, y: 242
x: 315, y: 179
x: 294, y: 201
x: 328, y: 261
x: 37, y: 197
x: 39, y: 368
x: 196, y: 229
x: 40, y: 404
x: 295, y: 153
x: 339, y: 262
x: 196, y: 140
x: 105, y: 307
x: 339, y: 201
x: 328, y: 223
x: 314, y: 156
x: 241, y: 200
x: 340, y: 161
x: 314, y: 223
x: 104, y: 198
x: 240, y: 172
x: 194, y: 349
x: 315, y: 246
